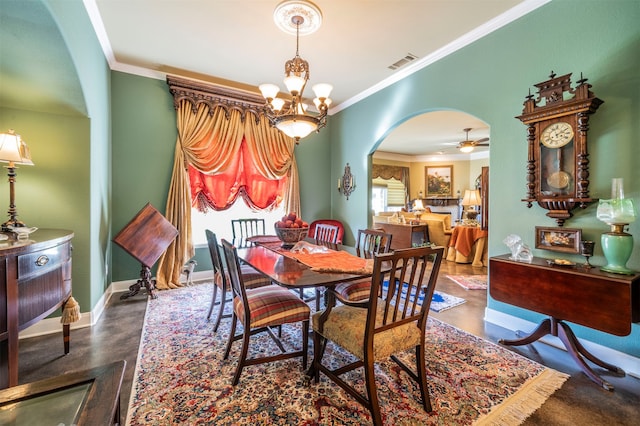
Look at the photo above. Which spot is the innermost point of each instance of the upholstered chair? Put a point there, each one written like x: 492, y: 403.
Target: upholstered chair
x: 250, y: 276
x: 259, y: 309
x: 370, y: 242
x: 392, y: 319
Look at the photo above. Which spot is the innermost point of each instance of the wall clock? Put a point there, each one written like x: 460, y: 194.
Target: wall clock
x: 557, y: 122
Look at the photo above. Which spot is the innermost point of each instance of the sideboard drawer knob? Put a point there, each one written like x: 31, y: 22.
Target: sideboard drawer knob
x: 42, y: 260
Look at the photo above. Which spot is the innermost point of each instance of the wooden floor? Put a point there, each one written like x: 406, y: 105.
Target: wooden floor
x: 117, y: 336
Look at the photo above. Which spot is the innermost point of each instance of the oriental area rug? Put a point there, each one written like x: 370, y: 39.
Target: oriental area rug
x: 181, y: 378
x: 470, y: 282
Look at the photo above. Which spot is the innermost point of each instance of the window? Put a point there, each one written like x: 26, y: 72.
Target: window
x: 388, y: 195
x: 220, y: 221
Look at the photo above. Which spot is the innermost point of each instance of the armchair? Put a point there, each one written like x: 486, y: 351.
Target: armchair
x: 250, y: 276
x: 384, y: 324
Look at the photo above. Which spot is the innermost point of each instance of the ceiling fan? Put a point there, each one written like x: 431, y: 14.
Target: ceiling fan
x: 467, y: 145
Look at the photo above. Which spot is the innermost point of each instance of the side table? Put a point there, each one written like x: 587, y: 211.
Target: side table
x: 587, y: 296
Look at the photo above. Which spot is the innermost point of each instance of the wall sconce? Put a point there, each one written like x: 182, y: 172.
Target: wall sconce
x: 13, y: 150
x: 347, y: 183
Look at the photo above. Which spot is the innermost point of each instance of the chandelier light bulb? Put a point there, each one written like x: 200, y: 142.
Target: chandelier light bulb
x: 322, y: 90
x: 277, y: 104
x: 294, y: 84
x: 269, y: 91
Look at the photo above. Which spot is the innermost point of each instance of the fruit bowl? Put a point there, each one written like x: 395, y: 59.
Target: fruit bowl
x: 290, y: 236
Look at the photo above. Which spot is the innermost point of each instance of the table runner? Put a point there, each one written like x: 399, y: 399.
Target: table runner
x: 333, y: 261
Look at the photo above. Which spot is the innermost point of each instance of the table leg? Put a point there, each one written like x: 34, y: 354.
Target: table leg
x: 574, y: 348
x: 542, y: 330
x: 145, y: 281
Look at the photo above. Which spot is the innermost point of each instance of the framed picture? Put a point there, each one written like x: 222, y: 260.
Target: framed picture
x: 564, y: 240
x: 439, y: 181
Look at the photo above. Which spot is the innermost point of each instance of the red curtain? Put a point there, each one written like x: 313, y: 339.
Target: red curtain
x: 220, y: 190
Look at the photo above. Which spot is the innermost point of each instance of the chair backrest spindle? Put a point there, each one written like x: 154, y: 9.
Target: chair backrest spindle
x: 245, y: 228
x: 326, y: 233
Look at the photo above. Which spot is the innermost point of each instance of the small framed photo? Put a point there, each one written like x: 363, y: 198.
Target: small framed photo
x: 439, y: 181
x: 565, y: 240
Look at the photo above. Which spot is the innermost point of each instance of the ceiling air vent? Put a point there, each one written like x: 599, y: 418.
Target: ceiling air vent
x: 404, y: 61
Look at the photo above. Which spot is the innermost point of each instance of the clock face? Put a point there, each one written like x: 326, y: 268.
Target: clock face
x: 557, y: 135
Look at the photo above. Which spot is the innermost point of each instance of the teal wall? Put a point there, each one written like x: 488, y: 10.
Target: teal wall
x: 69, y: 185
x: 92, y: 211
x: 144, y: 141
x: 490, y: 79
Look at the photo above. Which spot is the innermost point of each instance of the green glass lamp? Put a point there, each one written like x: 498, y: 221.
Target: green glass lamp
x: 617, y: 245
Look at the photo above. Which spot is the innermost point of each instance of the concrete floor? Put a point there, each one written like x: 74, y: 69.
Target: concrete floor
x: 117, y: 336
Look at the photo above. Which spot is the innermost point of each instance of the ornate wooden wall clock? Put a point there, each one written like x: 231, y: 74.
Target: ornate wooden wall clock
x: 558, y: 160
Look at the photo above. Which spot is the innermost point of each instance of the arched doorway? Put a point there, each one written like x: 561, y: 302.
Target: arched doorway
x: 433, y: 138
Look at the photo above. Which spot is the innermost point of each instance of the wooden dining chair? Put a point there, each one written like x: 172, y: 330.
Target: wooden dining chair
x: 323, y: 233
x: 392, y: 319
x: 243, y: 229
x: 259, y: 309
x: 370, y: 243
x: 333, y: 222
x: 251, y: 277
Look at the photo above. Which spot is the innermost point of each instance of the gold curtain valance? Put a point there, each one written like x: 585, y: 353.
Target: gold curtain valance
x: 387, y: 172
x: 215, y: 96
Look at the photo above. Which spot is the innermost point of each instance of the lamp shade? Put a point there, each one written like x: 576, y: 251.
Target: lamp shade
x: 13, y: 149
x: 417, y: 205
x: 471, y: 198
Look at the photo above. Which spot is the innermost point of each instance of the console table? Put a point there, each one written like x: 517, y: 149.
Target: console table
x: 589, y: 297
x: 404, y: 235
x: 35, y: 280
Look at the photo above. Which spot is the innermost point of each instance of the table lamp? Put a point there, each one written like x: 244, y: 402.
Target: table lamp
x: 13, y: 150
x: 418, y: 208
x: 471, y: 198
x: 617, y: 245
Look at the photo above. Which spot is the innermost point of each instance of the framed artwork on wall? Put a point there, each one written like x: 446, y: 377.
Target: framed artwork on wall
x: 564, y: 240
x: 439, y: 181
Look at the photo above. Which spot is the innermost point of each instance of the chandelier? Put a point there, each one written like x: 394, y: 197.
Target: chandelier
x: 291, y: 117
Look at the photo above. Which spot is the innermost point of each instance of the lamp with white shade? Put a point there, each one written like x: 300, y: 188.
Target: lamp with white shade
x: 13, y: 150
x: 471, y: 199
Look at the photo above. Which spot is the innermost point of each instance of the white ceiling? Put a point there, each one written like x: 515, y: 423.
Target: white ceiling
x: 236, y: 42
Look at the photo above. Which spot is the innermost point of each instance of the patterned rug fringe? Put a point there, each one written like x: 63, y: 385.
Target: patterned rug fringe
x: 525, y: 401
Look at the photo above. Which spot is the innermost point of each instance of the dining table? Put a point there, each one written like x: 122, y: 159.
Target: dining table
x: 336, y: 263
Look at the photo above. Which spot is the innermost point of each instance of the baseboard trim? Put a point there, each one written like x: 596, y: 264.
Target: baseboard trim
x: 88, y: 319
x: 630, y: 364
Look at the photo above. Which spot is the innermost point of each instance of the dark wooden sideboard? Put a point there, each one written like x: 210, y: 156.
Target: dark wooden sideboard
x: 586, y: 296
x: 404, y: 235
x: 35, y: 280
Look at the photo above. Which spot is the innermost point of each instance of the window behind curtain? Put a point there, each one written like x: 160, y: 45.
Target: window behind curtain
x: 220, y: 221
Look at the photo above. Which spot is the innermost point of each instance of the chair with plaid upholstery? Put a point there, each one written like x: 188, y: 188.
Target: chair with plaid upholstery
x: 251, y: 277
x: 259, y: 309
x: 370, y: 243
x: 391, y: 320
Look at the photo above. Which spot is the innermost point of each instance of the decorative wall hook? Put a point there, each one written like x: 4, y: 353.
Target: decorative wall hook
x: 347, y: 183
